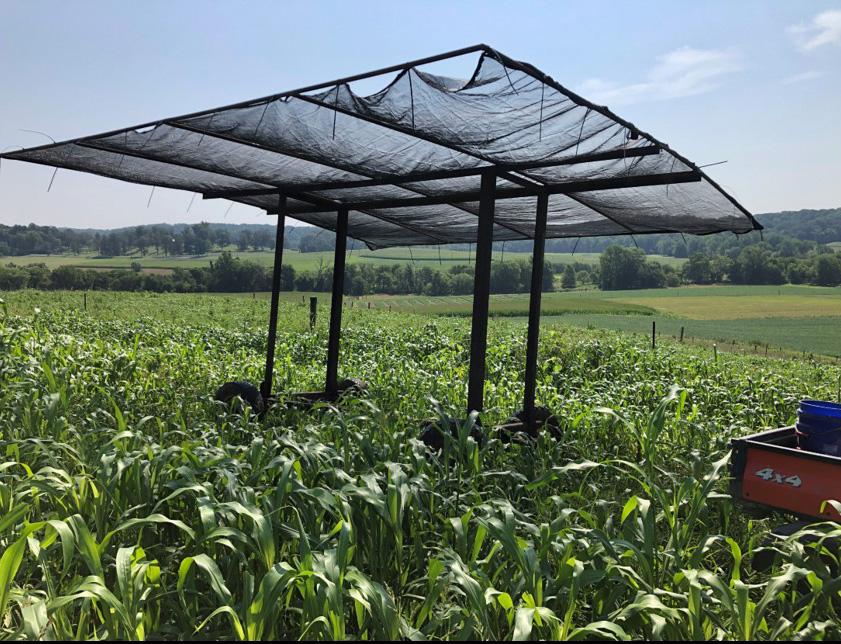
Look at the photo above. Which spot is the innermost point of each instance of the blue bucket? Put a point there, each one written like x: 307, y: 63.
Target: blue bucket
x: 818, y: 427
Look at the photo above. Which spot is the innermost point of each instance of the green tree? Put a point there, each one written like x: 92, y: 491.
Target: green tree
x: 620, y: 268
x: 756, y: 265
x: 698, y: 269
x: 828, y: 270
x: 569, y: 279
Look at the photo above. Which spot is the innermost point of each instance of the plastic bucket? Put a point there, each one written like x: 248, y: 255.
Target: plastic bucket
x: 818, y: 427
x: 820, y: 408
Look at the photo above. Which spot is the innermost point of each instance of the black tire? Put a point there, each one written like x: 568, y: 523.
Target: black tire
x: 228, y: 392
x: 544, y: 419
x: 352, y: 387
x: 432, y: 433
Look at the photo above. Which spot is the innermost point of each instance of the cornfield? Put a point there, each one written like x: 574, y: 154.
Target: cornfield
x: 133, y: 506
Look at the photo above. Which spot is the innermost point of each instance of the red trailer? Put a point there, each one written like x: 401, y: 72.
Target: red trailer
x: 770, y: 472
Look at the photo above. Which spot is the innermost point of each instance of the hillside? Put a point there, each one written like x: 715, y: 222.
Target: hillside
x: 821, y: 226
x: 812, y: 225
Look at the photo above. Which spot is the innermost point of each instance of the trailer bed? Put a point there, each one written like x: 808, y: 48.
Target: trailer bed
x: 768, y: 471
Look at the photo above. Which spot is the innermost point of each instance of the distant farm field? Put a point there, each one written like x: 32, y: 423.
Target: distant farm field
x: 785, y: 318
x: 701, y: 303
x: 420, y: 257
x: 738, y: 302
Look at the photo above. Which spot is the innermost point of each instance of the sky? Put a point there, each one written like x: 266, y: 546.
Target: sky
x: 754, y: 83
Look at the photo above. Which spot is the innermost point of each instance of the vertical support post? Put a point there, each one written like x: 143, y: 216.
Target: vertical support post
x: 266, y: 387
x: 481, y: 293
x: 313, y: 311
x: 336, y: 303
x: 653, y: 334
x: 534, y: 307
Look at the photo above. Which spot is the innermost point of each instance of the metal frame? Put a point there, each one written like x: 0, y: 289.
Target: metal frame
x: 338, y: 165
x: 266, y: 386
x: 331, y: 391
x: 608, y: 155
x: 332, y: 384
x: 485, y: 167
x: 302, y: 94
x: 530, y: 380
x: 481, y: 294
x: 614, y: 183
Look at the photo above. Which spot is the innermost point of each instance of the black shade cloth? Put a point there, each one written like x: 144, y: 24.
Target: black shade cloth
x: 407, y: 159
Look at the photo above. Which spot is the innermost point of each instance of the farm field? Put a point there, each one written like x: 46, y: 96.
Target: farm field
x: 787, y: 318
x: 797, y: 318
x: 132, y: 506
x: 421, y: 256
x: 818, y: 335
x: 691, y: 302
x: 251, y: 310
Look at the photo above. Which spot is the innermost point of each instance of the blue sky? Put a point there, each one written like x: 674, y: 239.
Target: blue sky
x: 755, y: 83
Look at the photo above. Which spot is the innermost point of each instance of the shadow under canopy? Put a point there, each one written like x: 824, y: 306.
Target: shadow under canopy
x: 509, y: 154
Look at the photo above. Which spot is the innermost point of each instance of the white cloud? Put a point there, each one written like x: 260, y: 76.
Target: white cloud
x: 822, y: 29
x: 802, y: 78
x: 682, y: 72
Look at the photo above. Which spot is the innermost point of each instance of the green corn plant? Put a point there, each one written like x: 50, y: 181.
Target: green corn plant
x: 132, y: 506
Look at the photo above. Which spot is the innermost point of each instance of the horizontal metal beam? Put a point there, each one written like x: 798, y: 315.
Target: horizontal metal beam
x: 315, y: 200
x: 329, y: 206
x: 333, y: 163
x: 607, y: 155
x: 614, y: 183
x: 389, y: 125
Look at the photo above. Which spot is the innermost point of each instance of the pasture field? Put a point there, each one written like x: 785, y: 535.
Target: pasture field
x: 737, y: 302
x: 420, y: 257
x: 133, y: 506
x: 796, y: 318
x: 818, y: 336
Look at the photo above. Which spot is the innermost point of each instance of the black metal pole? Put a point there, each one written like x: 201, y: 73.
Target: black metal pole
x: 266, y: 387
x: 336, y: 303
x: 481, y: 292
x: 534, y: 307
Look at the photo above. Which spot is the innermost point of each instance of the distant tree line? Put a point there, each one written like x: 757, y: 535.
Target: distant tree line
x: 762, y: 263
x: 789, y: 234
x: 674, y: 245
x: 231, y: 274
x: 161, y: 239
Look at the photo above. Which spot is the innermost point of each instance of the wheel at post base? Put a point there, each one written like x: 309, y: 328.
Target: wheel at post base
x: 544, y: 419
x: 432, y: 432
x: 247, y: 392
x: 351, y: 386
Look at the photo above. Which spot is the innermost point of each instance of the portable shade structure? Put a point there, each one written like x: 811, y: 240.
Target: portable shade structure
x: 509, y: 154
